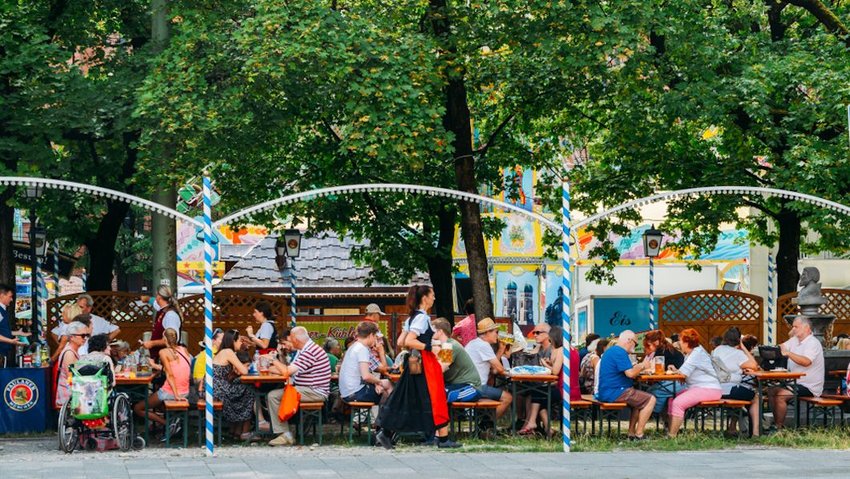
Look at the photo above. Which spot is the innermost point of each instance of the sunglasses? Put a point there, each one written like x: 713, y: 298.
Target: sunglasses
x: 538, y: 332
x: 84, y: 336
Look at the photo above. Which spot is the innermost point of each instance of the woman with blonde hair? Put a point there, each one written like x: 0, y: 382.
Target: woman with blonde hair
x: 168, y: 316
x: 175, y: 362
x: 69, y: 312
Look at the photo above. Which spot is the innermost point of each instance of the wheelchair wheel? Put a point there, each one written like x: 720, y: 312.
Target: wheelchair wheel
x: 69, y: 435
x: 122, y: 422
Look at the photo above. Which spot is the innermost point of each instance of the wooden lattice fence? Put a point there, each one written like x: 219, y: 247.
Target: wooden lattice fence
x: 837, y: 303
x: 711, y: 313
x: 231, y: 309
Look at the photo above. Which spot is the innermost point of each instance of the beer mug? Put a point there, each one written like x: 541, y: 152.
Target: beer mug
x: 146, y: 336
x: 264, y: 366
x: 445, y: 354
x: 659, y: 364
x: 506, y: 338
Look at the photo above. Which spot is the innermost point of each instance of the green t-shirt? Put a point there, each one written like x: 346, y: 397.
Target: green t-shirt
x: 333, y: 360
x: 462, y: 370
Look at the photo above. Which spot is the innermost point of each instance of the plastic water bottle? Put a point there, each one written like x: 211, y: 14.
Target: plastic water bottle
x: 36, y: 360
x: 255, y: 365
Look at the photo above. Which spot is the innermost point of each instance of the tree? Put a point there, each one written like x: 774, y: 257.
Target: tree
x: 722, y: 93
x: 306, y: 94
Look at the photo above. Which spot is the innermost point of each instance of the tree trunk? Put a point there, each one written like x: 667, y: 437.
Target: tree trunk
x: 440, y: 266
x: 457, y: 120
x: 101, y: 247
x: 789, y: 251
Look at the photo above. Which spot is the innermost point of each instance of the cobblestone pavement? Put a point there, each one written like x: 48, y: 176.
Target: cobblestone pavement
x: 41, y: 459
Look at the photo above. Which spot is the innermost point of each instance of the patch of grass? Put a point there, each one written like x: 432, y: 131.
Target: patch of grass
x: 27, y: 435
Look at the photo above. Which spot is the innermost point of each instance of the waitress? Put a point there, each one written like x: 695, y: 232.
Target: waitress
x: 168, y: 316
x: 266, y: 338
x: 7, y: 340
x: 418, y: 402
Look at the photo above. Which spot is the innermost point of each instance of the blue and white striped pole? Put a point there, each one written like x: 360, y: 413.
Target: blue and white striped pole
x: 85, y: 279
x: 208, y: 314
x: 770, y: 269
x: 55, y: 268
x: 292, y: 293
x: 566, y: 312
x: 651, y: 293
x: 40, y: 293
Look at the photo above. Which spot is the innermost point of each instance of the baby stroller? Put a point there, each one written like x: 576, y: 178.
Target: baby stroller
x: 95, y: 414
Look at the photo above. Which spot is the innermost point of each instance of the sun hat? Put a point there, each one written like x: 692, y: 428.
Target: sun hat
x: 374, y: 309
x: 486, y: 325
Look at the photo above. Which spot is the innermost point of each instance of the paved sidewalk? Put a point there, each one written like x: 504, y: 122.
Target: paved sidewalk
x: 39, y: 459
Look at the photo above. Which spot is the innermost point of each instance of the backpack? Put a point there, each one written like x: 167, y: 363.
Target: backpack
x: 89, y: 390
x: 724, y: 375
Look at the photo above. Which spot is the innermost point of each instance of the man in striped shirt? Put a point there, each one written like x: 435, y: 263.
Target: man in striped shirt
x: 311, y: 376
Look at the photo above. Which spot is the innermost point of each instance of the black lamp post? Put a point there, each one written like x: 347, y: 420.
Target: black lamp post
x: 32, y: 193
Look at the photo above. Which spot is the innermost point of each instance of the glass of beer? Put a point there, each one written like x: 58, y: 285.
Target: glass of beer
x: 445, y: 354
x: 659, y: 364
x: 264, y: 366
x: 506, y: 338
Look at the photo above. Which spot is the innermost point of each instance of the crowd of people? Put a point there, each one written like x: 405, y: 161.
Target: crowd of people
x: 427, y: 381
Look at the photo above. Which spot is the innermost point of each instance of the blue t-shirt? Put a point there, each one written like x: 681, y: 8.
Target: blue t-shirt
x: 612, y: 378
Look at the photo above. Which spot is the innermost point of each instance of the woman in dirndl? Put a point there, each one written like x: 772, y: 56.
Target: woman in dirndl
x: 418, y: 402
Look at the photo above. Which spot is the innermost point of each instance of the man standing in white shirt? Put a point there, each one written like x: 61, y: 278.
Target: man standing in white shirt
x: 98, y: 325
x: 805, y: 355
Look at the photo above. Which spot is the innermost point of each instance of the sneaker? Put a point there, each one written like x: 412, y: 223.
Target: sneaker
x: 448, y: 444
x: 282, y: 440
x: 638, y: 438
x: 430, y: 442
x: 384, y: 441
x: 172, y: 430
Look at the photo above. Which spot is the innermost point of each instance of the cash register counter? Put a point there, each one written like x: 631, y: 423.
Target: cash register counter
x: 26, y: 403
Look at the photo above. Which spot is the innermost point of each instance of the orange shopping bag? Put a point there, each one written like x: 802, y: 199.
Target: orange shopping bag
x: 288, y: 403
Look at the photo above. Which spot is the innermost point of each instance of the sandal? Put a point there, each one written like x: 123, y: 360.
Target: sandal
x: 526, y: 432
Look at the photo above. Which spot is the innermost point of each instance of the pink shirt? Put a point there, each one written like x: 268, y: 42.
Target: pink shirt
x: 181, y: 372
x: 465, y: 330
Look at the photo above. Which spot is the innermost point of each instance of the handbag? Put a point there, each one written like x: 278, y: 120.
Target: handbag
x: 288, y: 403
x: 414, y: 362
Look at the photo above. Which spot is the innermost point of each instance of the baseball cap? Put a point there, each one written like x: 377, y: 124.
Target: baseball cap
x: 373, y: 309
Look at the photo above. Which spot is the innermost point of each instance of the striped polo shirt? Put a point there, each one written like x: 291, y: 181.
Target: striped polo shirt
x: 314, y: 368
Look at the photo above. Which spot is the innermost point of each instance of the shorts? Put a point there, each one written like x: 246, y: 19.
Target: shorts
x: 489, y: 392
x: 740, y: 393
x: 164, y: 396
x: 803, y: 391
x: 365, y: 394
x: 635, y: 398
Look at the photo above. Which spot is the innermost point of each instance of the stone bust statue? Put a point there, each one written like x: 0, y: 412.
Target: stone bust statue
x: 810, y: 294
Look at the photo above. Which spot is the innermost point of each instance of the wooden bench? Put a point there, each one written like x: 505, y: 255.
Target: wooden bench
x: 727, y: 408
x: 307, y: 410
x: 475, y: 411
x: 826, y: 406
x: 358, y: 407
x: 201, y: 407
x: 582, y: 413
x: 609, y: 411
x: 181, y: 408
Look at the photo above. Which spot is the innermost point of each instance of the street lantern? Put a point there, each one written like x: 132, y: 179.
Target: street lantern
x: 652, y: 247
x: 280, y: 253
x: 292, y: 238
x: 39, y: 239
x: 652, y: 242
x: 32, y: 192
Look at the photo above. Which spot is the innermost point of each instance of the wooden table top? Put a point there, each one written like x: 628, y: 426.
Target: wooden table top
x: 534, y: 378
x: 268, y: 379
x: 657, y: 378
x: 776, y: 375
x: 136, y: 381
x: 838, y: 372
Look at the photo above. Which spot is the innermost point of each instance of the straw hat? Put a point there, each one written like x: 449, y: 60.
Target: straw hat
x: 486, y: 325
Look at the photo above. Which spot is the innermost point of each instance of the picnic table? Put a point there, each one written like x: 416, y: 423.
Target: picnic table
x: 765, y: 380
x: 645, y: 381
x: 840, y: 373
x: 138, y: 389
x: 526, y: 384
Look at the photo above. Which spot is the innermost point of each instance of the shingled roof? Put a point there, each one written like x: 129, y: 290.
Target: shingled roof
x: 324, y: 266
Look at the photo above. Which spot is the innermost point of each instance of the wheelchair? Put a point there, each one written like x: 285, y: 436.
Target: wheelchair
x: 116, y: 424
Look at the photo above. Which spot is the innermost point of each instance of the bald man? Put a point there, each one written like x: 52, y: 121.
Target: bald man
x: 616, y: 383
